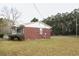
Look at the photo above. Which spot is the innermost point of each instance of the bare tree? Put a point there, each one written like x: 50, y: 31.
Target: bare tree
x: 10, y: 14
x: 5, y: 12
x: 15, y: 14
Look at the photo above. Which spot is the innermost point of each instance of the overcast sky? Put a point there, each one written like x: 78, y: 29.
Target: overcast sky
x: 28, y: 10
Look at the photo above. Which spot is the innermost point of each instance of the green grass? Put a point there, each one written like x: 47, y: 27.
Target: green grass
x: 57, y: 45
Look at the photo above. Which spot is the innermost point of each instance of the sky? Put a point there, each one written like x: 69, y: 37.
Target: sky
x: 28, y: 11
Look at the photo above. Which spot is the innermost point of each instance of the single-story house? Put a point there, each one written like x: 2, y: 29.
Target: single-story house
x: 36, y: 30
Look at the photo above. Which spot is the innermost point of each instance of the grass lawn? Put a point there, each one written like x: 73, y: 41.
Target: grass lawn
x: 57, y: 45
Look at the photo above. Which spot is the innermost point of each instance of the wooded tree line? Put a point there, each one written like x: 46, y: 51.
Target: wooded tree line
x: 61, y: 23
x: 64, y: 23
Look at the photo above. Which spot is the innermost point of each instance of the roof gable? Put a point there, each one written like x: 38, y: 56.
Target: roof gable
x: 37, y: 25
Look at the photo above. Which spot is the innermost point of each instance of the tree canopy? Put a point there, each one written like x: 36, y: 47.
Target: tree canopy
x: 34, y: 20
x: 64, y: 23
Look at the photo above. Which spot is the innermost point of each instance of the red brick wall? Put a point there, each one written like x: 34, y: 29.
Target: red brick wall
x: 46, y: 33
x: 34, y: 33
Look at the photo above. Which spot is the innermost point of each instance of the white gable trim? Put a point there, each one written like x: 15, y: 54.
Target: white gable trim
x: 37, y: 25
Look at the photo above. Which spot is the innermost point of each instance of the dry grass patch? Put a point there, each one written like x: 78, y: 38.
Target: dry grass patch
x: 57, y: 45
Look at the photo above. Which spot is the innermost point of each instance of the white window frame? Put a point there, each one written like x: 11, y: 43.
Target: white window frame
x: 41, y: 31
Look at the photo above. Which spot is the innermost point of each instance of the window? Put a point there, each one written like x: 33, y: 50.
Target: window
x: 41, y: 31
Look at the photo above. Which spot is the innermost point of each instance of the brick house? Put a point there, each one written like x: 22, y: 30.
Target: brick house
x: 36, y: 30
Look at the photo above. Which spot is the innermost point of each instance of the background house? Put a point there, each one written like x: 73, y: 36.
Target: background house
x: 6, y: 29
x: 36, y: 30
